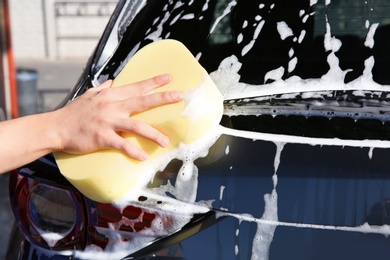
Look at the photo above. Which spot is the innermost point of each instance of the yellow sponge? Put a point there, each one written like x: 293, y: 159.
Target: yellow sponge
x: 105, y: 176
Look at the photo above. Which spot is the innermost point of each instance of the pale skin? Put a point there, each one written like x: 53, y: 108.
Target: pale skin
x: 90, y: 123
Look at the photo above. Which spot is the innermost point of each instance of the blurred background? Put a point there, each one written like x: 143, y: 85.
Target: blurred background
x: 44, y: 45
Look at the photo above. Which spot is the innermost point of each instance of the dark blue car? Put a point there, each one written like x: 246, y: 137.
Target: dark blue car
x: 301, y: 169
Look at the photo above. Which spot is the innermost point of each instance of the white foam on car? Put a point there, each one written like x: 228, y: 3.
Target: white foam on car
x: 182, y: 208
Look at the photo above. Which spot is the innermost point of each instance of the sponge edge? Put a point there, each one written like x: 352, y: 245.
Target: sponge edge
x: 105, y: 176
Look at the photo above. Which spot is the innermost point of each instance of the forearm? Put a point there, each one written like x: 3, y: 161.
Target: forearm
x: 25, y: 139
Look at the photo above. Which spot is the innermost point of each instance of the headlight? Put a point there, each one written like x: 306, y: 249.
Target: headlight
x: 52, y: 212
x: 51, y: 217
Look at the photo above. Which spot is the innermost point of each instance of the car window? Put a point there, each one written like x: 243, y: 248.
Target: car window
x: 266, y: 35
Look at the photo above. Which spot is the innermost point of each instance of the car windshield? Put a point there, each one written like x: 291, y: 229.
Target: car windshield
x: 272, y: 40
x: 304, y: 58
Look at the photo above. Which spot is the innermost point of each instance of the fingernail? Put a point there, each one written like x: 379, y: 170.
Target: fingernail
x: 177, y: 95
x: 166, y: 77
x: 144, y: 156
x: 165, y: 141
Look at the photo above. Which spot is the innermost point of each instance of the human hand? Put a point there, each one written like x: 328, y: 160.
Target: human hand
x: 95, y: 120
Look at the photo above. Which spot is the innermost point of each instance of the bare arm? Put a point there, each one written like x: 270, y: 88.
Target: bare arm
x: 91, y: 122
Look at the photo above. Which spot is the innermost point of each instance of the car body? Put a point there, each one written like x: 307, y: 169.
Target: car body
x: 300, y: 170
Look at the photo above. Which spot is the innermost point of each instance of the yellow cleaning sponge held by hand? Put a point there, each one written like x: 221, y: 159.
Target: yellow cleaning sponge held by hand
x: 106, y: 176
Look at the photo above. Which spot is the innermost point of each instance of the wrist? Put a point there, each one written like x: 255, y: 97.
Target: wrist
x: 52, y: 128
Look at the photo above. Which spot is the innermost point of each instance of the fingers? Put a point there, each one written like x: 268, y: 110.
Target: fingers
x: 142, y: 87
x: 106, y: 110
x: 120, y: 144
x: 143, y: 103
x: 152, y: 83
x: 144, y: 130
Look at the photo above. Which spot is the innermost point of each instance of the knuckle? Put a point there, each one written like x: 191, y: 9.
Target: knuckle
x: 142, y: 103
x: 102, y: 106
x: 104, y: 92
x: 158, y: 80
x: 166, y: 96
x: 98, y: 138
x: 122, y: 146
x: 134, y: 126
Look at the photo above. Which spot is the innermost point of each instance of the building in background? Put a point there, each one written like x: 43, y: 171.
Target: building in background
x: 43, y: 31
x: 57, y: 29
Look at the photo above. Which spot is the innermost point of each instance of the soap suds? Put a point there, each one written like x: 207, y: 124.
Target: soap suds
x: 184, y: 204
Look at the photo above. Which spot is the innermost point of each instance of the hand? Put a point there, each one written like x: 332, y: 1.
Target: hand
x: 95, y: 120
x: 92, y: 122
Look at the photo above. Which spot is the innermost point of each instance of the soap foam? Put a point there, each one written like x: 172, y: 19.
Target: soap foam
x: 183, y: 205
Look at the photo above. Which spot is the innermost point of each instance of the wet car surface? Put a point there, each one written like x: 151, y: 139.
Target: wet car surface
x: 300, y: 168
